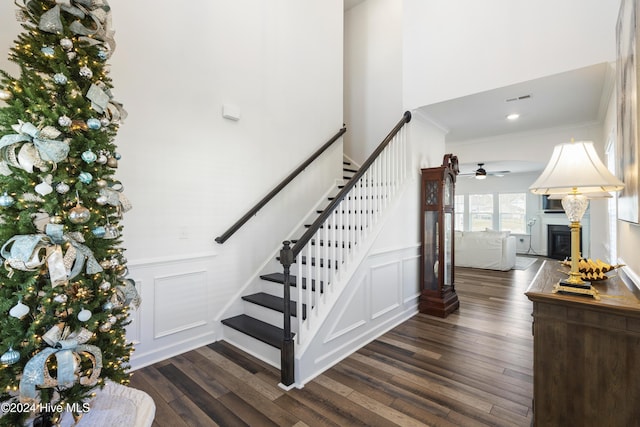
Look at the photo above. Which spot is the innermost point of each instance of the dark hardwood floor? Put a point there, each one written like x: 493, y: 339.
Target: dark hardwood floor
x: 473, y: 368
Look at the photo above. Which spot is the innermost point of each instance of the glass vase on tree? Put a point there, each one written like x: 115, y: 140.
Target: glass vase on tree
x: 64, y: 295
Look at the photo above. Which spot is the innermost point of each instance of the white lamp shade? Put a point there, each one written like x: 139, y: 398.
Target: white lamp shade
x: 590, y: 196
x: 575, y: 166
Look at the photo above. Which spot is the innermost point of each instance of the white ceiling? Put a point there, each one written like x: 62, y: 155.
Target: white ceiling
x: 560, y: 100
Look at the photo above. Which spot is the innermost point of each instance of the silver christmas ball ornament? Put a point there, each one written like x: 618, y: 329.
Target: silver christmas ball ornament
x: 79, y: 214
x: 64, y: 121
x: 102, y: 159
x: 5, y: 95
x: 62, y: 188
x: 86, y: 72
x: 102, y: 200
x: 66, y: 43
x: 105, y: 327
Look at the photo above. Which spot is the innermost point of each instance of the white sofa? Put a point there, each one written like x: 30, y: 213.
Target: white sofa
x: 492, y: 250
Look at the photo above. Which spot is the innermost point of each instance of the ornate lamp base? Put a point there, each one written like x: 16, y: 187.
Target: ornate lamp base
x: 584, y: 288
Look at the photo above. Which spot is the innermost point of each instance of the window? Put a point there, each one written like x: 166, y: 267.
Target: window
x: 459, y: 211
x: 513, y: 212
x: 481, y: 211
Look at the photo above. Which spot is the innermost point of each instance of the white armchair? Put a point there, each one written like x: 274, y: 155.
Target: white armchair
x: 493, y: 250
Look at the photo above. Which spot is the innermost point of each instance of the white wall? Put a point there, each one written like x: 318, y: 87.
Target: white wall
x: 628, y: 234
x: 191, y: 173
x: 373, y: 74
x: 457, y: 48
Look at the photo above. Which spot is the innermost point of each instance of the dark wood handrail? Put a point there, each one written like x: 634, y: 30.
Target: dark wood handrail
x: 306, y: 237
x: 254, y: 210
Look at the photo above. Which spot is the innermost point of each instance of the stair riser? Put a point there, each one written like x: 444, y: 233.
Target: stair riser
x: 257, y: 348
x: 267, y: 315
x: 276, y: 289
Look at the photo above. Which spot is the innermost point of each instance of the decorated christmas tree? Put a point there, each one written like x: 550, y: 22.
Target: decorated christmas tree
x: 64, y: 294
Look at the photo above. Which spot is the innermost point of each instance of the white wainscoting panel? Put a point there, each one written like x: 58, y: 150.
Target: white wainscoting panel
x: 411, y: 278
x: 175, y: 315
x: 180, y: 303
x: 386, y: 294
x: 351, y: 316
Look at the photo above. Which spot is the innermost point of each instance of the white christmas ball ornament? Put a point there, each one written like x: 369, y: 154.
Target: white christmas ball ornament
x: 43, y: 188
x: 19, y: 310
x: 84, y: 315
x: 5, y: 95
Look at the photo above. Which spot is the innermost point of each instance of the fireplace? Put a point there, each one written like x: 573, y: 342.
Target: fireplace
x: 559, y: 241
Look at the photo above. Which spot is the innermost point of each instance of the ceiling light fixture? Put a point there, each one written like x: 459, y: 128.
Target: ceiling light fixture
x: 513, y: 116
x: 480, y: 172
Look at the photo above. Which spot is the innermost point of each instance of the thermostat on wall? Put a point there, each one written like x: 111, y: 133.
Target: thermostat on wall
x: 231, y: 112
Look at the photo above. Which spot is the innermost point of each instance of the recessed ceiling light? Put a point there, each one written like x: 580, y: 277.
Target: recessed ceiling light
x: 513, y: 116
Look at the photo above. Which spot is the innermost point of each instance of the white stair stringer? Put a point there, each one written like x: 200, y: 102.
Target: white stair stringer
x: 326, y: 339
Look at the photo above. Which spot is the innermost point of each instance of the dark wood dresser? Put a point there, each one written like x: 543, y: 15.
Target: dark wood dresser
x: 586, y: 368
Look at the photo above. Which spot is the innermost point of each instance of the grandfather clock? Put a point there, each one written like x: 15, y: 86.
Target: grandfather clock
x: 437, y: 291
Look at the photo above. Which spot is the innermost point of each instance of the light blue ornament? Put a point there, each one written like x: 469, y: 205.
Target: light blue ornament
x: 6, y: 200
x: 94, y: 124
x: 117, y: 156
x: 60, y: 79
x: 98, y: 231
x: 47, y: 51
x: 102, y: 55
x: 107, y: 306
x: 10, y: 357
x: 89, y: 156
x: 85, y: 177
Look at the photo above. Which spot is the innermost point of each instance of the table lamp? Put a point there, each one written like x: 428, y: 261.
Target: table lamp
x: 576, y: 171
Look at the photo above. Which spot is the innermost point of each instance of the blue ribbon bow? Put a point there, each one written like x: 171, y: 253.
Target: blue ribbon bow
x: 48, y: 149
x: 66, y: 350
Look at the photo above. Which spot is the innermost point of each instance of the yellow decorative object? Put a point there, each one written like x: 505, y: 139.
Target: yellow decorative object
x: 593, y: 270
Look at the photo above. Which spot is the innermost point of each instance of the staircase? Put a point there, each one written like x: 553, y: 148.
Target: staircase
x: 264, y: 309
x: 281, y: 319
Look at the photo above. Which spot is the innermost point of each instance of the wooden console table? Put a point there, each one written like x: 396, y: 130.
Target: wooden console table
x: 586, y: 369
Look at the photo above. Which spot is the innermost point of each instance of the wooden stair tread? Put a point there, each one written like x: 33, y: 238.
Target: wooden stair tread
x: 262, y: 331
x: 272, y: 302
x: 279, y: 278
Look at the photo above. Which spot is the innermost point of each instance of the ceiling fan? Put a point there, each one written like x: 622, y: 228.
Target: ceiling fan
x: 482, y: 173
